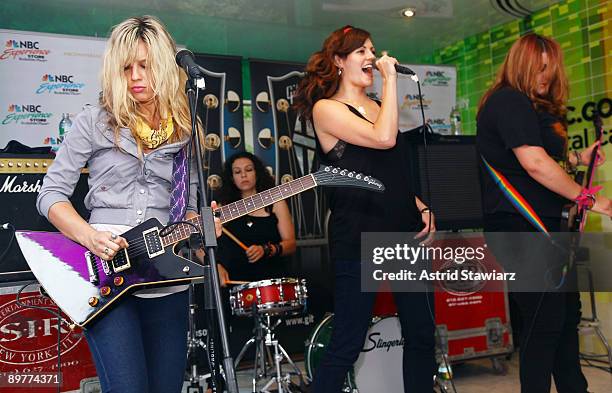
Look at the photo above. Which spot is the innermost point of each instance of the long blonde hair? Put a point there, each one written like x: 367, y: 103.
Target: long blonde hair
x: 520, y: 69
x: 166, y: 78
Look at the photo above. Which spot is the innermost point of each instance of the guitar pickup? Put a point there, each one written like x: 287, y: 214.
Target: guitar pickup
x: 153, y: 242
x: 121, y: 261
x: 92, y: 267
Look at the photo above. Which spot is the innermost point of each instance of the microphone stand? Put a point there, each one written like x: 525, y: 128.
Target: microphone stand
x: 210, y: 242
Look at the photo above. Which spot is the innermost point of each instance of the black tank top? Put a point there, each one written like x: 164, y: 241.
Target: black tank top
x: 354, y: 211
x: 251, y: 230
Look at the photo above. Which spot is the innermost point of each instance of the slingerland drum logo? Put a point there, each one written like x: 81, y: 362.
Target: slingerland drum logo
x: 26, y: 114
x: 29, y: 336
x: 23, y: 50
x: 59, y: 84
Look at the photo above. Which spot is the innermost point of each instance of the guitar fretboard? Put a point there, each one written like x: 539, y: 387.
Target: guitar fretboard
x: 242, y: 207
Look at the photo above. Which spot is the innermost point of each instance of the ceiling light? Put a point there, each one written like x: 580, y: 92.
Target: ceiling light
x: 408, y: 12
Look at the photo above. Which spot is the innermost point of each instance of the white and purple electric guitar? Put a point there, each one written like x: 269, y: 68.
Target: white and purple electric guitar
x: 84, y: 286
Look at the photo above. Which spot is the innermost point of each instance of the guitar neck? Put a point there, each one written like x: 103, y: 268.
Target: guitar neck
x: 599, y: 138
x: 242, y: 207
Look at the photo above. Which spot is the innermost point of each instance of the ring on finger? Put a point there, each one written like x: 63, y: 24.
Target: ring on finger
x: 106, y: 250
x: 113, y: 236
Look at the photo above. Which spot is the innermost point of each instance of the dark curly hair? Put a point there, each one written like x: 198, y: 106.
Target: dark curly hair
x: 322, y: 79
x: 229, y: 192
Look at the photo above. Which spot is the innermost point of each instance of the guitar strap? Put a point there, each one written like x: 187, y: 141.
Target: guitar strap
x: 515, y: 198
x: 179, y: 194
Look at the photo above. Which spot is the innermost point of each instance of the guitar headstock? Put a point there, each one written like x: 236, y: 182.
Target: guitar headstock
x: 338, y: 177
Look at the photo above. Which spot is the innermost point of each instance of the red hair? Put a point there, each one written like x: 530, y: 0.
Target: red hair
x: 322, y: 79
x: 520, y: 70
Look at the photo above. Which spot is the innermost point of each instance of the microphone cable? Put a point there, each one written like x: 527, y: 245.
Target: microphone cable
x: 8, y: 226
x: 425, y: 129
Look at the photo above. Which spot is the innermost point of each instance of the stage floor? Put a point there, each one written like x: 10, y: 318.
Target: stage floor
x: 477, y: 376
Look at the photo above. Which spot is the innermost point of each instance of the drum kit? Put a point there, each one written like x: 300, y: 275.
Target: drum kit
x: 267, y: 302
x: 378, y: 368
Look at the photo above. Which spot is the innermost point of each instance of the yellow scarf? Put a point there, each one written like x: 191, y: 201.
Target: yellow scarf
x: 153, y: 138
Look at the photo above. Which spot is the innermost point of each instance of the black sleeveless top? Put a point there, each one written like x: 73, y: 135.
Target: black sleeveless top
x: 356, y: 210
x: 251, y: 230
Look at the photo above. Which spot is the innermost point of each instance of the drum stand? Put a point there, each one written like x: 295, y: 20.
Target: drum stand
x: 264, y: 339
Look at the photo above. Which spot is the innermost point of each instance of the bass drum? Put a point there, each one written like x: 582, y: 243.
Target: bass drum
x: 379, y: 366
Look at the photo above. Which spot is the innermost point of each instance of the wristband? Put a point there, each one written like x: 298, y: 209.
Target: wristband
x: 586, y: 199
x: 267, y: 250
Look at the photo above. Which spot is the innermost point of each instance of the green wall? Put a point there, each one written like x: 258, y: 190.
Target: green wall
x: 582, y: 27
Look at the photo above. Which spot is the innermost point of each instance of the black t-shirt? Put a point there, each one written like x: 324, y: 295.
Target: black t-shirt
x: 508, y: 120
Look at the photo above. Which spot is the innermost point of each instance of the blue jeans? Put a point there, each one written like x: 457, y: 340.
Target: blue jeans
x: 140, y: 346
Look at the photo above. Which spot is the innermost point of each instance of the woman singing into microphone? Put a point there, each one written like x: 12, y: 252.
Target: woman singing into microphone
x: 360, y: 134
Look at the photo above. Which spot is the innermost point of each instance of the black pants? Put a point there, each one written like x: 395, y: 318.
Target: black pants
x: 549, y: 342
x: 353, y: 312
x: 549, y: 328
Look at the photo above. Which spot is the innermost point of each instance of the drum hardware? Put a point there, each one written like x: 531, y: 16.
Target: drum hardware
x: 266, y: 363
x: 262, y: 300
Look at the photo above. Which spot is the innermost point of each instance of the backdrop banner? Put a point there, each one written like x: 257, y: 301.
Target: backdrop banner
x: 46, y: 80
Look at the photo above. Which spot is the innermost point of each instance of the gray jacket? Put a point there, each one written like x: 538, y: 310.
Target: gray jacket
x: 123, y: 188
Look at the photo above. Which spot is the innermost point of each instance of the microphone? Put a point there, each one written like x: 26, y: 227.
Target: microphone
x: 184, y: 58
x: 400, y: 69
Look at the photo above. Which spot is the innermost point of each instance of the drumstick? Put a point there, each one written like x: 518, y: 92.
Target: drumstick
x: 233, y: 282
x: 235, y: 239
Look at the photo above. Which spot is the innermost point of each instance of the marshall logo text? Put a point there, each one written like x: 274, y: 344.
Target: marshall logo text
x: 11, y: 185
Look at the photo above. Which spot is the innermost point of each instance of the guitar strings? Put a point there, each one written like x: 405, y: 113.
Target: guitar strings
x: 138, y: 246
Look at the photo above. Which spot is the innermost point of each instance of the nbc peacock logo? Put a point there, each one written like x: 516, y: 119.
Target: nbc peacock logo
x: 59, y: 84
x: 26, y: 114
x: 24, y: 50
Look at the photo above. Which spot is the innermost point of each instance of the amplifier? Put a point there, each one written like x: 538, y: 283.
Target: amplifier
x: 445, y: 174
x: 21, y: 178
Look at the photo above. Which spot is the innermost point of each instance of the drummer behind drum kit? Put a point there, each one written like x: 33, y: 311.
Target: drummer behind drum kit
x: 263, y: 301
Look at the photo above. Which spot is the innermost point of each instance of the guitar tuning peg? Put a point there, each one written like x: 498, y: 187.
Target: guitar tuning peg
x: 351, y: 174
x: 335, y: 170
x: 358, y: 177
x: 343, y: 172
x: 366, y: 178
x: 327, y: 169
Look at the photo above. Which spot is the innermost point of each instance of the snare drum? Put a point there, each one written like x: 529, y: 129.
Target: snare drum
x: 274, y: 296
x: 379, y: 366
